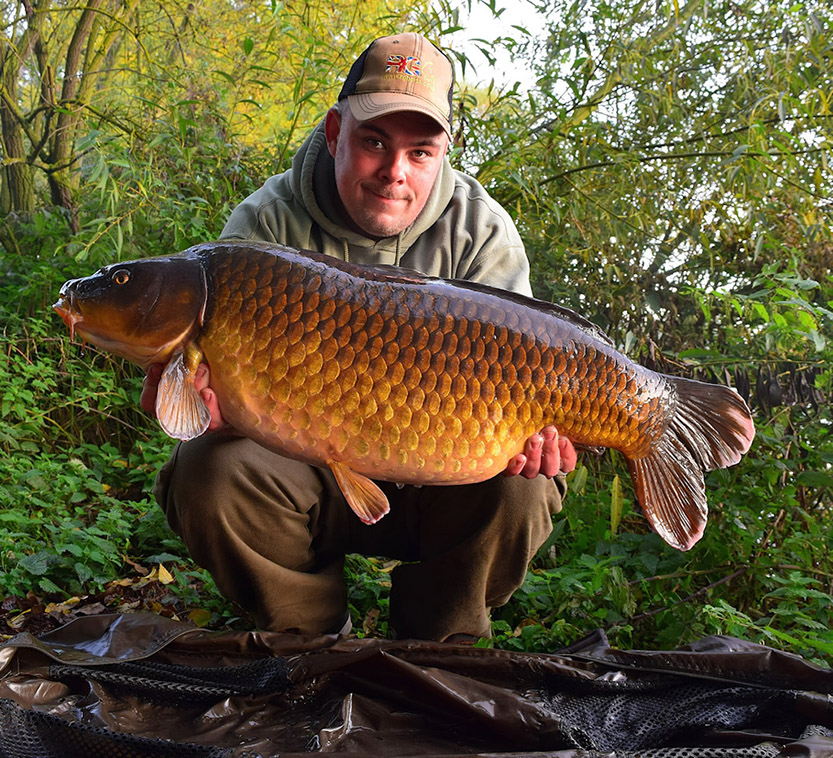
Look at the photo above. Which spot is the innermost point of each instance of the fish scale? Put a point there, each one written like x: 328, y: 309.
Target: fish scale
x: 382, y: 373
x: 373, y: 374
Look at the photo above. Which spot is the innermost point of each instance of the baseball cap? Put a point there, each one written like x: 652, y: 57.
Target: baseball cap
x: 404, y: 72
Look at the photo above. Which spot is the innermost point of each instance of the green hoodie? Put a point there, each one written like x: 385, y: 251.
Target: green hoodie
x: 462, y: 233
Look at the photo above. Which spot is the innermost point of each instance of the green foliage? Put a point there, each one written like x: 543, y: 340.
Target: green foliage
x: 61, y: 530
x: 763, y: 570
x: 55, y: 396
x: 368, y: 594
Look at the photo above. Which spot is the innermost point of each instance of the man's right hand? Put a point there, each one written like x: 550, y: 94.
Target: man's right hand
x: 150, y: 386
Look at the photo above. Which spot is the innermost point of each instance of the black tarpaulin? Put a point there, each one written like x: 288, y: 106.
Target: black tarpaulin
x: 140, y: 685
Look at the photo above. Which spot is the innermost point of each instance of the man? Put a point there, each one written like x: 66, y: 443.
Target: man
x: 371, y: 184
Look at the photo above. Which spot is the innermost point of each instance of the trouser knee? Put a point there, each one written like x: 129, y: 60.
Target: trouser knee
x: 265, y: 527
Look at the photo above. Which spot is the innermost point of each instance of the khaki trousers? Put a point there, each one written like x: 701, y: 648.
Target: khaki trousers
x: 273, y: 533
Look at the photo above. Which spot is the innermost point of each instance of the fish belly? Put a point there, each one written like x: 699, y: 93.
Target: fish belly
x: 410, y: 381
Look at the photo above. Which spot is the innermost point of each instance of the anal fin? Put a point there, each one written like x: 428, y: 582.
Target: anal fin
x: 368, y: 502
x: 179, y: 406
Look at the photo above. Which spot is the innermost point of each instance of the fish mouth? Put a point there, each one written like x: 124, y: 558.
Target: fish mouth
x: 67, y: 309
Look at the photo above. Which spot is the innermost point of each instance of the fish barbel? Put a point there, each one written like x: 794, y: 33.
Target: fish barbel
x: 383, y: 373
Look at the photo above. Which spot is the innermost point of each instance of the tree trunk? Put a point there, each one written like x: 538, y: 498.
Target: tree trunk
x: 63, y: 181
x: 17, y: 189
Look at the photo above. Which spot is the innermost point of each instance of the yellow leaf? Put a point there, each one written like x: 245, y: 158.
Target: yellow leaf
x: 199, y: 616
x: 18, y: 621
x: 64, y: 607
x: 165, y: 576
x: 120, y: 583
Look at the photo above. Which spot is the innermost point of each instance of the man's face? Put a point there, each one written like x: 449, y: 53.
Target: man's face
x: 386, y: 168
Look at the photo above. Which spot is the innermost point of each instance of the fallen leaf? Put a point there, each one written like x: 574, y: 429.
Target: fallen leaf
x: 370, y: 620
x: 199, y: 616
x: 91, y: 610
x: 137, y: 566
x: 18, y: 621
x: 64, y: 607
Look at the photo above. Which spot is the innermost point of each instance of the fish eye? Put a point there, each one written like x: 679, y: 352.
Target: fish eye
x: 122, y: 276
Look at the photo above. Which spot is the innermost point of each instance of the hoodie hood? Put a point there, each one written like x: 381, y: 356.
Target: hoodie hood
x: 314, y: 186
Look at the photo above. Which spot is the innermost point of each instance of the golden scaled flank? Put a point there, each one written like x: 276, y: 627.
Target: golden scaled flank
x: 377, y: 375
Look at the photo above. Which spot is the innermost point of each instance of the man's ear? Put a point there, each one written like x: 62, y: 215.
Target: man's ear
x: 332, y: 128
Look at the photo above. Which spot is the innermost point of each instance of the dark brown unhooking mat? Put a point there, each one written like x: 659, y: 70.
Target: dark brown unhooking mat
x: 140, y: 685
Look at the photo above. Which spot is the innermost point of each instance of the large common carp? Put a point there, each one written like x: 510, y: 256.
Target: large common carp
x: 385, y: 373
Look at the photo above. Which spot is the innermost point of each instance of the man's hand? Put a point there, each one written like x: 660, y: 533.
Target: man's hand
x: 150, y: 385
x: 544, y: 453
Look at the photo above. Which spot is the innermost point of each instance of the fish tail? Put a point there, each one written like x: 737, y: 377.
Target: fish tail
x: 710, y: 428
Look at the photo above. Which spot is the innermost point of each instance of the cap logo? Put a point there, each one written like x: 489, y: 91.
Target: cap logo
x: 405, y: 65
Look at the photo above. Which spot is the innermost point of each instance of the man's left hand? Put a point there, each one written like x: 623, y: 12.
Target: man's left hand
x: 545, y: 453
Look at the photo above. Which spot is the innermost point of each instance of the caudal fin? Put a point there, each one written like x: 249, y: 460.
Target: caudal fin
x: 711, y: 428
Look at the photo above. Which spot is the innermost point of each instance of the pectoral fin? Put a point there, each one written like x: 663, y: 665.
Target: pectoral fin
x: 368, y: 502
x: 179, y: 407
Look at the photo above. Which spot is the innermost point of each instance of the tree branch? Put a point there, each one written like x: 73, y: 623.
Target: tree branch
x: 680, y: 156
